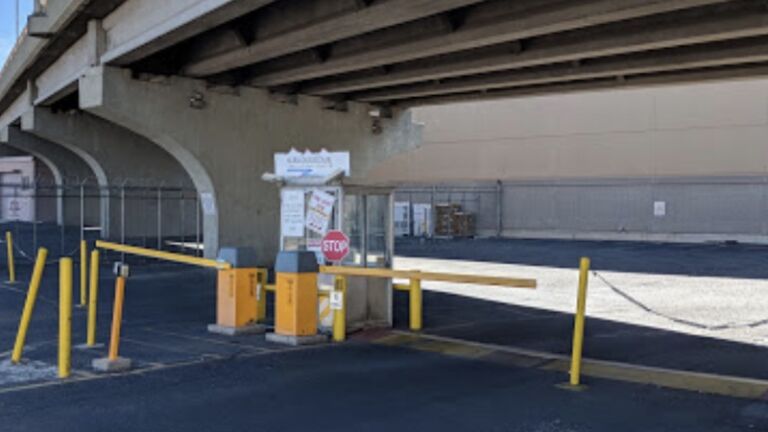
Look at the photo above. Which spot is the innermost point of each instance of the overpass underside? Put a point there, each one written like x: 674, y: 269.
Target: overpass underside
x: 202, y: 93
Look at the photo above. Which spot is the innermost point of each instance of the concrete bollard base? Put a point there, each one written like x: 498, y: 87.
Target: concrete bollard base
x: 104, y: 364
x: 237, y: 331
x: 85, y: 346
x: 297, y: 340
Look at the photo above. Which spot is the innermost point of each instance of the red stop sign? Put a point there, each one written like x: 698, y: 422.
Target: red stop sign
x: 335, y: 246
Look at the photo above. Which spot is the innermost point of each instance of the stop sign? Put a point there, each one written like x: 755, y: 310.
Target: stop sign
x: 335, y: 245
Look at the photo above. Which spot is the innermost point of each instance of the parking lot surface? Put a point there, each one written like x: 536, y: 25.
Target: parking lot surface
x: 186, y: 379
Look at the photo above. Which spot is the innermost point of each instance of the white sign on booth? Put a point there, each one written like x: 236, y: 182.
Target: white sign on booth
x: 292, y: 212
x: 311, y: 164
x: 319, y: 211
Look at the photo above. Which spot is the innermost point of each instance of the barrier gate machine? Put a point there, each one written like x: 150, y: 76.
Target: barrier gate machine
x: 319, y: 200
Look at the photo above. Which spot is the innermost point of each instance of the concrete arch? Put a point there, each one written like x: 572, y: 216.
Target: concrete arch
x: 58, y: 180
x: 64, y: 164
x: 193, y: 167
x: 117, y: 154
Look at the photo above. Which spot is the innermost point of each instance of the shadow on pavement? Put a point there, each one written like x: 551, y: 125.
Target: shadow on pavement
x: 711, y: 259
x: 543, y: 330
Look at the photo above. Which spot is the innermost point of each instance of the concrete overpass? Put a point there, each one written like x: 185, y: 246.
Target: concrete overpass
x: 205, y: 91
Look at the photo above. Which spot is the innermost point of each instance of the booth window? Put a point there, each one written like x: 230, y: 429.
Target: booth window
x: 377, y: 220
x: 354, y: 223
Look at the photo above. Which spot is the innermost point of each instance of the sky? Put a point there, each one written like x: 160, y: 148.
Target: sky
x: 8, y: 23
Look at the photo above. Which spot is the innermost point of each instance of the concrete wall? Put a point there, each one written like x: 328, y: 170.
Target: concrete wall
x: 591, y: 165
x: 226, y: 144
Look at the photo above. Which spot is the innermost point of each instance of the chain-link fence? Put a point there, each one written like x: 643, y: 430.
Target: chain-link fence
x: 59, y: 216
x: 417, y: 207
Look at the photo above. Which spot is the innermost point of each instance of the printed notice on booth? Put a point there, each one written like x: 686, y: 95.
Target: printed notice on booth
x: 292, y: 213
x: 319, y: 211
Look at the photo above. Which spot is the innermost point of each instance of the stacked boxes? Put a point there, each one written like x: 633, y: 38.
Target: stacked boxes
x: 451, y: 221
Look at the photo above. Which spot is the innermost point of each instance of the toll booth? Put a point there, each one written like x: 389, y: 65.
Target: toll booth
x: 310, y: 207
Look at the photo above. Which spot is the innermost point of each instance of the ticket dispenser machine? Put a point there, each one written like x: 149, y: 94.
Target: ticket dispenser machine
x: 309, y: 209
x: 296, y: 299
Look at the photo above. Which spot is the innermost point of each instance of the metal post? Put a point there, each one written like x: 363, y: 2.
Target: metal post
x: 159, y: 218
x: 499, y: 208
x: 340, y: 315
x: 122, y: 219
x: 432, y: 216
x: 117, y: 318
x: 34, y: 220
x: 183, y: 217
x: 198, y: 249
x: 62, y: 229
x: 65, y: 317
x: 11, y: 261
x: 578, y: 327
x: 415, y: 304
x: 82, y: 211
x: 261, y: 295
x: 29, y: 305
x: 91, y: 338
x: 83, y: 272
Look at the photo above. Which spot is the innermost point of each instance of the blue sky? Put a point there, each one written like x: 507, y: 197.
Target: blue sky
x: 8, y: 23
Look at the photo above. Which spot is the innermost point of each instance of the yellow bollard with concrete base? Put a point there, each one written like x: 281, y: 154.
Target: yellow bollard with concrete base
x: 296, y: 299
x: 113, y: 362
x: 237, y: 294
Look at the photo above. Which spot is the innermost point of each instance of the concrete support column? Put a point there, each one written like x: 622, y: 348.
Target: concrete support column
x: 117, y: 156
x: 226, y: 140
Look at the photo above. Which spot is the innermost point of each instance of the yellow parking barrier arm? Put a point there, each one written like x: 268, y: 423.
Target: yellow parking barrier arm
x: 92, y: 298
x: 117, y: 318
x: 83, y: 271
x: 29, y: 305
x: 578, y: 327
x: 340, y: 315
x: 261, y: 295
x: 415, y: 307
x: 430, y: 276
x: 65, y: 317
x: 162, y: 255
x: 11, y: 263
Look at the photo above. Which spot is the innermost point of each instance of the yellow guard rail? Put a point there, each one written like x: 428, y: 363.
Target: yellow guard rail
x: 414, y: 286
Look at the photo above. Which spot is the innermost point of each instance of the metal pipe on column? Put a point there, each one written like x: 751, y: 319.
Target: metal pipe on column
x: 183, y: 217
x: 160, y: 217
x: 198, y: 249
x: 499, y: 208
x: 122, y: 218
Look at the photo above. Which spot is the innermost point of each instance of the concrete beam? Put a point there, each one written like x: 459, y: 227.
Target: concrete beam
x: 721, y: 24
x: 323, y: 23
x: 226, y: 141
x: 559, y: 17
x: 724, y: 73
x: 187, y: 23
x: 753, y: 50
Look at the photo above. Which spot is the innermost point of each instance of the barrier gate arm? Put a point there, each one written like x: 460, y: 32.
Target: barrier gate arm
x: 162, y: 255
x: 415, y: 278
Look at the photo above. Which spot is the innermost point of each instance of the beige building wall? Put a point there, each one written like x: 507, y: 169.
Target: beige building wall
x: 713, y: 129
x: 598, y: 165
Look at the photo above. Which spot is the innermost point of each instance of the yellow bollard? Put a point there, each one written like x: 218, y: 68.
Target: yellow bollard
x: 91, y: 339
x: 11, y: 263
x: 340, y: 315
x: 83, y: 271
x: 29, y: 305
x: 578, y: 327
x: 65, y: 317
x: 261, y: 295
x: 416, y: 307
x: 117, y: 318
